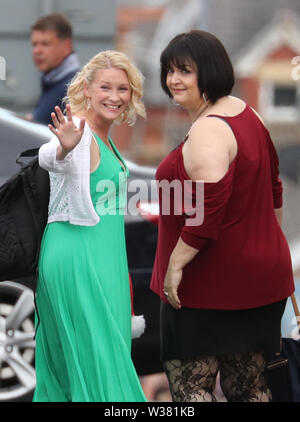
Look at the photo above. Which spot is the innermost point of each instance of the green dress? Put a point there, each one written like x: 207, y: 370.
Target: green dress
x: 83, y: 340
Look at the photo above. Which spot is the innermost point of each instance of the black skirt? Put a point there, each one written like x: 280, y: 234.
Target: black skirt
x: 190, y: 333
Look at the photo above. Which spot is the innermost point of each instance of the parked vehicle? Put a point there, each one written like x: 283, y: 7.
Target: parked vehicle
x: 17, y: 346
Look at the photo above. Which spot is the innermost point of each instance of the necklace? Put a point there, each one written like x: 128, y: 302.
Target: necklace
x: 204, y: 107
x: 201, y: 111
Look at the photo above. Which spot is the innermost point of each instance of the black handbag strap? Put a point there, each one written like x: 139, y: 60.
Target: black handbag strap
x: 28, y: 153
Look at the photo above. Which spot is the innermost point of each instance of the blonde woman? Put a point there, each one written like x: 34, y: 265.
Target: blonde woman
x: 83, y: 341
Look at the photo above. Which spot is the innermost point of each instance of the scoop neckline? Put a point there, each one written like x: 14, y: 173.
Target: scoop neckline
x: 114, y: 152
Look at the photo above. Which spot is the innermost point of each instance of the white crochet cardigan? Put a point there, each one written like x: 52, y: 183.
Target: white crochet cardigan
x: 70, y: 198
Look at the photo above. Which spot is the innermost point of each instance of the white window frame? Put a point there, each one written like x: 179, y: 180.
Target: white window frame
x: 274, y: 113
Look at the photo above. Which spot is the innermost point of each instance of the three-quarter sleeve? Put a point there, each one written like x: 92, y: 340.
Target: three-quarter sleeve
x: 48, y: 161
x: 193, y: 240
x: 209, y: 205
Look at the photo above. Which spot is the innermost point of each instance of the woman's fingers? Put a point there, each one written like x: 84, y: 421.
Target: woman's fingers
x: 60, y: 116
x: 53, y: 130
x: 173, y: 299
x: 171, y: 283
x: 69, y: 113
x: 55, y: 120
x: 67, y: 132
x: 175, y: 302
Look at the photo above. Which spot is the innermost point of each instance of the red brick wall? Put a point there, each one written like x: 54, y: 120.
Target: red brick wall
x: 248, y: 91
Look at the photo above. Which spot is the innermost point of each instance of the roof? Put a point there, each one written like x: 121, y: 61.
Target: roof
x: 283, y: 29
x: 235, y: 22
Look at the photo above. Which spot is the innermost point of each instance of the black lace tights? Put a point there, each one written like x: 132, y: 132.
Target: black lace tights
x: 241, y: 378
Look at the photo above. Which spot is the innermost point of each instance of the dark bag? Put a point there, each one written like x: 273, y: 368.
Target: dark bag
x: 24, y: 202
x: 283, y: 369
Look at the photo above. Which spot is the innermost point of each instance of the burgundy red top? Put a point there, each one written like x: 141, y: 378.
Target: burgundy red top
x: 244, y: 259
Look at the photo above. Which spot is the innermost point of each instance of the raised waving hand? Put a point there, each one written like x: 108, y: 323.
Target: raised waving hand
x: 66, y: 131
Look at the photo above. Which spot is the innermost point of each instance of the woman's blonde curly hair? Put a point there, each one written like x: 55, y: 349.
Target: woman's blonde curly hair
x: 105, y: 60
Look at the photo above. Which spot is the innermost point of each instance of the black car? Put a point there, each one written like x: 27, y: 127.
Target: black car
x: 17, y: 346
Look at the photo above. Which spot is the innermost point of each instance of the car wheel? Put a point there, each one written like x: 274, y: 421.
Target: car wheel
x: 17, y: 344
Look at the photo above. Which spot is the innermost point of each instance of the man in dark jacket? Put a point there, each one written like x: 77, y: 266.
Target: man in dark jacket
x: 53, y: 55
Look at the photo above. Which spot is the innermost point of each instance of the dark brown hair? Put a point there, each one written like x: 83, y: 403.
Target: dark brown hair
x: 55, y: 22
x: 207, y: 53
